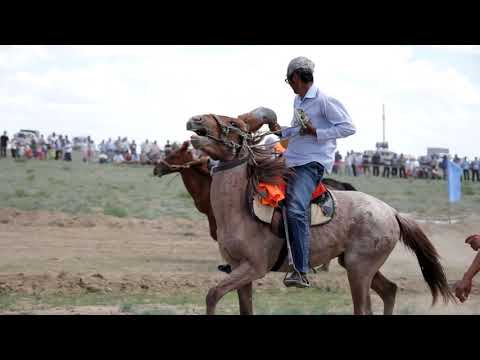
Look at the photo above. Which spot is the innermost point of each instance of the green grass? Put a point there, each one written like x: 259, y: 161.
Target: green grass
x: 158, y: 312
x: 126, y: 307
x: 266, y: 302
x: 120, y: 212
x: 132, y: 191
x: 79, y: 188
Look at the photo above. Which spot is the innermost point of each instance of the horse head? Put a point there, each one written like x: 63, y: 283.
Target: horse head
x: 220, y: 137
x: 173, y: 161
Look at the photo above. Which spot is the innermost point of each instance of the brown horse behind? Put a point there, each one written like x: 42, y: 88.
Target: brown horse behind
x: 195, y: 176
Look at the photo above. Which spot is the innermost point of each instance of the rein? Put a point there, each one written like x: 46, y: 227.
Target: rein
x: 175, y: 167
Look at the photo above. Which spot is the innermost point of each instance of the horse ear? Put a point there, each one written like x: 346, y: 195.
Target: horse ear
x: 185, y: 145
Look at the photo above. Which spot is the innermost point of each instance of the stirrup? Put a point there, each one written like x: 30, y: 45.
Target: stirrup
x: 302, y: 281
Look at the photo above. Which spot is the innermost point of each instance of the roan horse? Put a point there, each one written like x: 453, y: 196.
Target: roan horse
x: 362, y: 234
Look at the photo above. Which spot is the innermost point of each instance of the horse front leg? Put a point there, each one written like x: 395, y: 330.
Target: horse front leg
x: 240, y: 277
x: 245, y: 299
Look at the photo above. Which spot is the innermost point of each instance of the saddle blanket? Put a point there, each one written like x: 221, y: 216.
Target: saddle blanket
x: 322, y: 209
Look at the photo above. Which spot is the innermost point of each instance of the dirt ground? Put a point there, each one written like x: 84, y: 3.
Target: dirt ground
x: 44, y: 253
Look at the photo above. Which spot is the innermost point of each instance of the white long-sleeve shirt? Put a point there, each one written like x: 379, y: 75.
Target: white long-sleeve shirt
x: 331, y: 120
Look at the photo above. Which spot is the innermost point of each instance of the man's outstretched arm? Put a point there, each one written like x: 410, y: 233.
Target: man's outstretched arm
x: 464, y: 286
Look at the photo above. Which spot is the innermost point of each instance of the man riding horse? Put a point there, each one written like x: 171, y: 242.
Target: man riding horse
x: 317, y: 122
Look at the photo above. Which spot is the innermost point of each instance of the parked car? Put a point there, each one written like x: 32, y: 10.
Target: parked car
x: 28, y: 135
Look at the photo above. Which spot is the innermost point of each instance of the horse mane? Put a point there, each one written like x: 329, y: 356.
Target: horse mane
x: 263, y: 167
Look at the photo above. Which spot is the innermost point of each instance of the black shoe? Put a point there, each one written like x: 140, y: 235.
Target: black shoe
x: 297, y: 280
x: 225, y: 268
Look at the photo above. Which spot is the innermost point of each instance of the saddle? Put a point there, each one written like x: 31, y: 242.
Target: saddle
x: 322, y: 206
x: 268, y: 211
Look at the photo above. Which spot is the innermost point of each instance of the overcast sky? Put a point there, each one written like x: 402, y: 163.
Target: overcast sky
x: 431, y: 93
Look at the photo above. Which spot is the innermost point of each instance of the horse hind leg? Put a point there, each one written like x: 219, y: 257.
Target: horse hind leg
x: 245, y: 299
x: 360, y: 279
x: 359, y: 295
x: 360, y: 282
x: 387, y: 291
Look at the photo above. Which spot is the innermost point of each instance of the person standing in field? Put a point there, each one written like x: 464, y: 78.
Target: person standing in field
x: 13, y: 147
x: 366, y: 164
x: 144, y: 150
x: 408, y: 167
x: 376, y: 163
x: 475, y: 165
x: 133, y: 150
x: 40, y: 148
x: 84, y: 149
x: 52, y: 145
x: 387, y: 162
x: 3, y: 144
x: 167, y: 149
x: 348, y: 164
x: 354, y: 163
x: 401, y: 165
x: 336, y: 164
x: 90, y: 149
x: 394, y: 165
x: 33, y: 148
x: 444, y: 166
x: 67, y: 149
x: 58, y: 147
x: 466, y: 169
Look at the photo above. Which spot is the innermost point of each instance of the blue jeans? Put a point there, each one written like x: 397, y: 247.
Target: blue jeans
x: 299, y: 192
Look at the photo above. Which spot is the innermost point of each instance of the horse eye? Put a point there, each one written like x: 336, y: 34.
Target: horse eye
x: 233, y: 123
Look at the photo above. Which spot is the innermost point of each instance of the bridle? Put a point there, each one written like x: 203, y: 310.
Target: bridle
x: 225, y: 131
x: 175, y: 167
x: 236, y: 148
x: 193, y: 164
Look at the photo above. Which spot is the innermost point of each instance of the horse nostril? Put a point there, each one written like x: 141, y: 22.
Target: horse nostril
x: 197, y: 119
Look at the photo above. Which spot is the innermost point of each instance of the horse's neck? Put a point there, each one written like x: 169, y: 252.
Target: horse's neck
x: 228, y: 193
x: 198, y: 186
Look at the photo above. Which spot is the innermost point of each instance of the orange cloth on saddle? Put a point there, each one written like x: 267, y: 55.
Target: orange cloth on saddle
x: 276, y: 193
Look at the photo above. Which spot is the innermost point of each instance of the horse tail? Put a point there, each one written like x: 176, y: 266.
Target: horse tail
x: 415, y: 239
x: 337, y: 185
x: 349, y: 187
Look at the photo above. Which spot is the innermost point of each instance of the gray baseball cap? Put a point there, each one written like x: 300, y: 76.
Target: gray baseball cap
x: 300, y: 62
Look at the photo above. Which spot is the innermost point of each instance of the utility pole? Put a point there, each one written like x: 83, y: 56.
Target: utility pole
x: 383, y: 117
x: 382, y: 145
